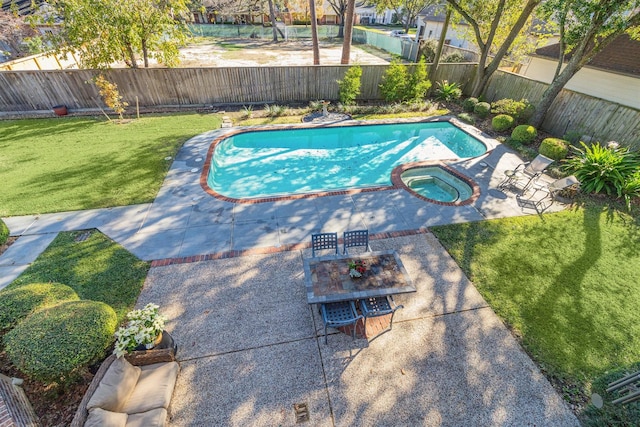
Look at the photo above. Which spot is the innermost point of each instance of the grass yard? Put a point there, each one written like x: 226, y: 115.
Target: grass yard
x: 96, y: 269
x: 567, y: 283
x: 62, y: 164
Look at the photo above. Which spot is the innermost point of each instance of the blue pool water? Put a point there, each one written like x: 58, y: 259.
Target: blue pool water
x: 294, y: 161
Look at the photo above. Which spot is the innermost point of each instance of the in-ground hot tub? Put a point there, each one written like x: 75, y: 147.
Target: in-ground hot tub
x: 439, y: 184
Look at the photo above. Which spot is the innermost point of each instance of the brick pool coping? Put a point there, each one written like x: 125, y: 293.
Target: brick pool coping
x: 398, y: 184
x: 272, y: 249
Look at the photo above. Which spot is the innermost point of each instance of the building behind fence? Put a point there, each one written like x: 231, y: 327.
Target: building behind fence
x: 31, y: 91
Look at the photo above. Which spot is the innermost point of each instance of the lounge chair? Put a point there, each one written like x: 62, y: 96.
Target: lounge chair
x: 543, y: 197
x: 525, y: 174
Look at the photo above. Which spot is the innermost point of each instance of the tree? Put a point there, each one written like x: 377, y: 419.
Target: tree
x: 443, y: 35
x: 340, y: 8
x: 406, y: 10
x: 110, y: 30
x: 13, y: 32
x: 348, y: 31
x: 314, y: 33
x: 495, y: 24
x: 589, y: 26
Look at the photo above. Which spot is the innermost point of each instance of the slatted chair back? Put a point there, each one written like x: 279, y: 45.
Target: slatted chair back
x: 537, y: 165
x: 356, y: 238
x: 322, y: 241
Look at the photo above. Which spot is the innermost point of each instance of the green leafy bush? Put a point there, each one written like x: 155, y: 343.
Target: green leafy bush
x: 274, y: 110
x: 603, y: 169
x: 467, y: 118
x: 418, y: 84
x: 4, y: 232
x: 53, y: 343
x: 349, y: 86
x: 19, y: 302
x: 554, y: 148
x: 394, y: 81
x: 502, y: 122
x: 469, y: 104
x: 521, y: 110
x: 448, y: 91
x: 482, y: 109
x: 524, y: 134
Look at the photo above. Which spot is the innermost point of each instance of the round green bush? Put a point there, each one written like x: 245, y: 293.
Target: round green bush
x: 467, y: 118
x: 554, y: 148
x: 17, y: 303
x: 524, y: 134
x: 482, y: 109
x: 4, y: 232
x: 469, y: 104
x: 502, y: 122
x: 54, y: 342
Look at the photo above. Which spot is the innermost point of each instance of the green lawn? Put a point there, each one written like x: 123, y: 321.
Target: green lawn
x: 61, y: 164
x: 568, y: 283
x: 96, y: 269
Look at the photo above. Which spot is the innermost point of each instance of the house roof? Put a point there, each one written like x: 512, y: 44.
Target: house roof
x: 622, y: 55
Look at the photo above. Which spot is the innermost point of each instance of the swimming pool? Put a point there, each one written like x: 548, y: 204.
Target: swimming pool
x: 274, y: 163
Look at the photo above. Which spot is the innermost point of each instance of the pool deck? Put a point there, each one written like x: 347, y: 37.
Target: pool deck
x: 229, y: 277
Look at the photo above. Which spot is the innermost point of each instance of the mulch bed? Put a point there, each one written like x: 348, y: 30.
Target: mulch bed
x: 6, y: 244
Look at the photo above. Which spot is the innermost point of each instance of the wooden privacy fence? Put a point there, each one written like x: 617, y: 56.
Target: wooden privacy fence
x: 160, y: 87
x: 572, y: 111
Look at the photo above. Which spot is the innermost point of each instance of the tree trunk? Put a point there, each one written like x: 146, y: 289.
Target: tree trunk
x: 436, y: 59
x: 272, y: 17
x: 314, y: 33
x: 145, y: 53
x: 348, y: 31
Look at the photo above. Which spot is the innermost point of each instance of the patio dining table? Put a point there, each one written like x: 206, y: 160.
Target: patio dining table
x: 327, y: 277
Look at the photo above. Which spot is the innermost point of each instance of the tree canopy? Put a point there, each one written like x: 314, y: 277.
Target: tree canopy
x: 105, y: 31
x: 587, y: 27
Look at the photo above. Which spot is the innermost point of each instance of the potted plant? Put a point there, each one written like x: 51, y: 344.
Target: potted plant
x: 357, y: 268
x: 143, y: 331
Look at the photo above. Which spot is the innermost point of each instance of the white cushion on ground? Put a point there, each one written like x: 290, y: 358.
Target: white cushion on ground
x: 116, y: 386
x: 154, y: 388
x: 153, y: 418
x: 102, y: 418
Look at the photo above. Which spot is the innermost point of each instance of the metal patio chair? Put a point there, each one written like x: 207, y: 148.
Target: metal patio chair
x: 321, y: 241
x: 378, y: 306
x: 356, y: 238
x: 337, y: 314
x: 527, y: 173
x: 549, y: 192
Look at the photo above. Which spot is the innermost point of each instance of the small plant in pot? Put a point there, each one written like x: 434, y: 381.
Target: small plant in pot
x: 142, y: 332
x: 357, y: 268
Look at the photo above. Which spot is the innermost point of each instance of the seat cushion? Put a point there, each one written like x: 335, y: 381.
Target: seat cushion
x: 99, y: 417
x: 154, y: 388
x: 153, y: 418
x: 116, y: 386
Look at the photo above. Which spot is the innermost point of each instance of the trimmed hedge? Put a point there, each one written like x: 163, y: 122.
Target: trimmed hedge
x: 469, y: 104
x: 554, y: 148
x: 53, y: 343
x: 467, y: 118
x: 502, y: 122
x: 482, y: 109
x: 524, y: 134
x: 19, y: 302
x: 4, y: 232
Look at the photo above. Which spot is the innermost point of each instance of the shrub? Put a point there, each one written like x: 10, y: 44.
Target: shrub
x: 524, y: 134
x: 482, y: 109
x: 502, y: 122
x: 448, y: 91
x: 418, y: 84
x: 349, y: 86
x: 521, y: 110
x: 19, y: 302
x: 394, y: 81
x: 604, y: 170
x: 274, y: 110
x: 53, y: 343
x: 4, y: 232
x: 247, y: 111
x: 454, y: 57
x: 554, y: 148
x: 469, y: 104
x: 110, y: 95
x: 467, y: 118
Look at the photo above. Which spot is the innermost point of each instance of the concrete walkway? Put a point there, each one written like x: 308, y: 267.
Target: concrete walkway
x: 250, y: 345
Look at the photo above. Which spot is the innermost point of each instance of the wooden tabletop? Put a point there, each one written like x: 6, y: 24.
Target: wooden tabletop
x: 327, y: 277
